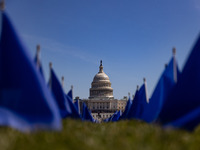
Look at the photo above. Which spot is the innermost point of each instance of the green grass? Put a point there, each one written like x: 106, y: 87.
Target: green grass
x: 122, y: 135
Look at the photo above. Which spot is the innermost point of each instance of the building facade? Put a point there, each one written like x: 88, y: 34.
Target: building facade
x: 101, y: 101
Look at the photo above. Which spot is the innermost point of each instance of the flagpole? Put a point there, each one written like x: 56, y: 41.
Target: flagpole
x: 166, y: 65
x: 62, y: 80
x: 129, y: 94
x: 174, y: 51
x: 2, y: 5
x: 137, y: 88
x: 50, y: 78
x: 174, y: 64
x: 145, y: 84
x: 37, y: 54
x: 72, y: 91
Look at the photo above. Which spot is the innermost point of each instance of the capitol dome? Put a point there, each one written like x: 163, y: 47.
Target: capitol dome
x: 101, y: 86
x: 101, y: 76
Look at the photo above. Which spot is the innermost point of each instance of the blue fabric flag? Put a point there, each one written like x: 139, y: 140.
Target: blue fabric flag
x: 116, y: 116
x: 86, y: 115
x: 164, y: 86
x: 127, y: 109
x: 139, y: 103
x: 66, y: 107
x: 185, y: 96
x: 134, y: 109
x: 142, y: 102
x: 70, y: 94
x: 111, y: 117
x: 76, y: 104
x: 107, y: 119
x: 69, y: 102
x: 25, y: 101
x: 188, y: 121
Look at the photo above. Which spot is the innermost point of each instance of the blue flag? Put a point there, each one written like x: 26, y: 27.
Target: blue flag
x: 76, y: 104
x: 188, y: 121
x: 164, y: 86
x: 185, y: 96
x: 64, y: 102
x: 70, y: 94
x: 116, y: 116
x: 74, y: 109
x: 113, y: 116
x: 139, y: 103
x: 142, y: 100
x: 107, y: 119
x: 134, y: 109
x: 25, y: 101
x: 127, y: 109
x: 86, y: 115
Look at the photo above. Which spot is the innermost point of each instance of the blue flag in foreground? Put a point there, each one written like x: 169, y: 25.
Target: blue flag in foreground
x: 188, y: 121
x: 164, y: 86
x: 86, y: 115
x: 25, y: 101
x: 66, y: 107
x: 185, y: 96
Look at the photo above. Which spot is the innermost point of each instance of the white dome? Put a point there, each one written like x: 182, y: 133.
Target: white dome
x: 101, y: 86
x: 101, y: 77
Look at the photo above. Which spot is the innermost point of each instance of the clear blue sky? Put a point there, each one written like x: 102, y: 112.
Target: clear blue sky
x: 134, y: 38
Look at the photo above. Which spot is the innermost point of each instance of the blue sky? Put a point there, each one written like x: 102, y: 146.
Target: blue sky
x: 134, y: 38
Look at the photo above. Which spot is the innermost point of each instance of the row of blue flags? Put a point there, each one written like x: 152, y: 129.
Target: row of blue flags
x: 175, y: 101
x: 184, y: 100
x: 27, y: 103
x: 148, y: 109
x: 115, y: 117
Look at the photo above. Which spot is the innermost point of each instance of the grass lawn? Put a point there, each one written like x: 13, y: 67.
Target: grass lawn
x: 122, y: 135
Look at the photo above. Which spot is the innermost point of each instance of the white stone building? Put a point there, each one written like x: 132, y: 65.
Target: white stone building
x: 101, y: 101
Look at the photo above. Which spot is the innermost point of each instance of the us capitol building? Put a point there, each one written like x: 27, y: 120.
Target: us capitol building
x: 101, y: 101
